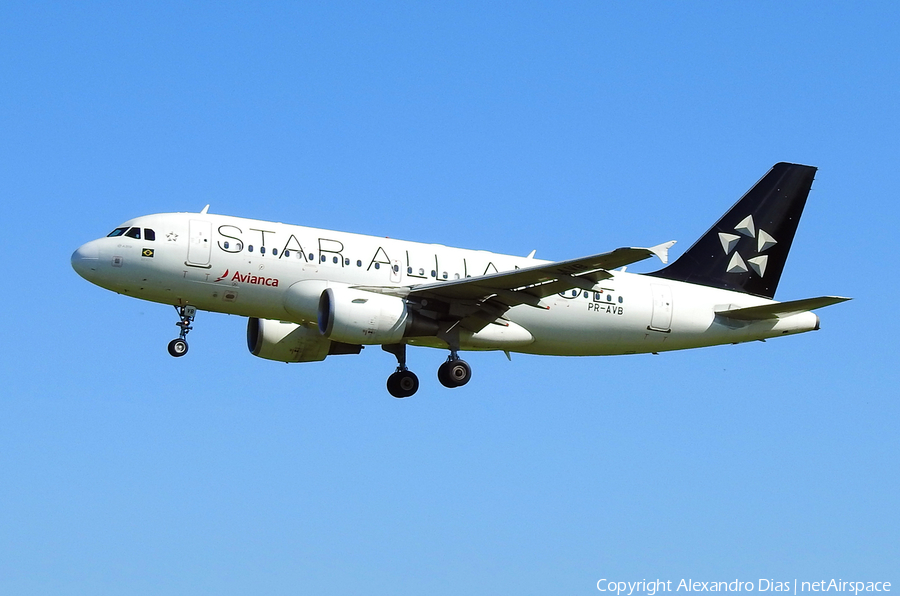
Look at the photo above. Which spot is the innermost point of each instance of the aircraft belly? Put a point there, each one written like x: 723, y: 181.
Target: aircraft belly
x: 580, y: 326
x: 508, y: 336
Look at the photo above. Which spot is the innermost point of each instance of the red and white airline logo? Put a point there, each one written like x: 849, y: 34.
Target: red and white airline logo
x: 249, y: 278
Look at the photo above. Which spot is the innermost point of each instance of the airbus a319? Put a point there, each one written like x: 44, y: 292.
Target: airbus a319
x: 311, y: 293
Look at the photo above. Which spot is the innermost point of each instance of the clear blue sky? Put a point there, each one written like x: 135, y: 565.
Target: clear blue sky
x: 570, y: 128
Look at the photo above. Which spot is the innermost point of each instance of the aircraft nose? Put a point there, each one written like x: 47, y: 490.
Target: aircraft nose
x: 85, y: 259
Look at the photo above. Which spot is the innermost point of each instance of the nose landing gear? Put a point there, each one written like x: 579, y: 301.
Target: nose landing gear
x: 178, y: 347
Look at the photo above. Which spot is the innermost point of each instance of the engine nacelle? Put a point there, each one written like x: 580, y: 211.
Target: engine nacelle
x: 360, y: 317
x: 301, y: 300
x: 289, y: 342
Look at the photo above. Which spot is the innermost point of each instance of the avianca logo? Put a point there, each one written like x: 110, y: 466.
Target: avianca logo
x: 249, y: 278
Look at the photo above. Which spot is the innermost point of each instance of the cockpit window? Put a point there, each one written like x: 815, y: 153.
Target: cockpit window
x: 117, y: 232
x: 149, y: 234
x: 134, y: 233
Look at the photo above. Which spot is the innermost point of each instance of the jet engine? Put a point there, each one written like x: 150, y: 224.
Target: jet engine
x: 289, y: 342
x: 301, y: 300
x: 361, y: 317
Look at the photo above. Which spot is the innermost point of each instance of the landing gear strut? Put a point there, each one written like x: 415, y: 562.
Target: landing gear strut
x: 455, y: 372
x: 179, y: 347
x: 404, y: 382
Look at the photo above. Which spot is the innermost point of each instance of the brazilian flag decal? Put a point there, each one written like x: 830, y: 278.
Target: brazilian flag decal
x: 147, y: 252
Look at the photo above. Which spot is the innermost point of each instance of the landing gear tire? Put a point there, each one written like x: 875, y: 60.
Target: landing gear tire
x: 178, y: 347
x: 402, y: 383
x: 454, y: 373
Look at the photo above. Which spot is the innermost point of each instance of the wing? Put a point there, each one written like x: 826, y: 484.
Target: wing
x: 477, y: 301
x: 530, y: 284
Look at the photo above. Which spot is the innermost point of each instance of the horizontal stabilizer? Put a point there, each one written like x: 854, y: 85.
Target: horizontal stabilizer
x: 780, y: 309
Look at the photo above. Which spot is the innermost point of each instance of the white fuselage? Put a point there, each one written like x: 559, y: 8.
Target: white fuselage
x: 244, y: 267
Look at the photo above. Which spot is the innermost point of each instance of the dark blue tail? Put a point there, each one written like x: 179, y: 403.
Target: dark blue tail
x: 746, y: 250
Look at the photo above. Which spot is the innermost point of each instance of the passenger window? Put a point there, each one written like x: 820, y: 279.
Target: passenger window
x: 609, y: 297
x: 456, y: 276
x: 445, y: 275
x: 396, y: 268
x: 224, y: 244
x: 286, y: 253
x: 149, y: 235
x: 433, y: 273
x: 311, y: 257
x: 322, y: 258
x: 574, y: 293
x: 409, y: 270
x: 334, y: 260
x: 596, y: 295
x: 262, y: 250
x: 421, y: 271
x: 620, y: 300
x: 134, y: 233
x: 359, y: 263
x: 274, y: 252
x: 250, y: 248
x: 117, y: 232
x: 378, y: 265
x: 346, y: 262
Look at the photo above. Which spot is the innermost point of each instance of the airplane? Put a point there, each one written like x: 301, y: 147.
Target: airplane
x: 311, y: 293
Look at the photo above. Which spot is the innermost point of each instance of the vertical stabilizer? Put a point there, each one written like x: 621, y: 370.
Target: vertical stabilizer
x: 747, y: 248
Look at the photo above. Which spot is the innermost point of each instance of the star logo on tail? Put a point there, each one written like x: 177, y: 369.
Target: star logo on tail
x: 764, y: 241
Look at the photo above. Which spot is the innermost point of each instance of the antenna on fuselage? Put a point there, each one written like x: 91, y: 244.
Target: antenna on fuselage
x: 205, y: 209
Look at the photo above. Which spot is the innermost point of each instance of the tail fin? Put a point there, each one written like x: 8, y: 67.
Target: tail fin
x: 746, y: 250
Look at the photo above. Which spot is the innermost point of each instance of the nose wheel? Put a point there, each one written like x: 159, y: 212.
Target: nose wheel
x: 178, y: 347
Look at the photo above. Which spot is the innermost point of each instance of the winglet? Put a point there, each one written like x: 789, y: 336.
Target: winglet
x: 662, y: 250
x: 205, y: 209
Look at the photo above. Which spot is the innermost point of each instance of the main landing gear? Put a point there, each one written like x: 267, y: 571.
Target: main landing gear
x: 455, y: 372
x: 404, y: 383
x: 179, y: 347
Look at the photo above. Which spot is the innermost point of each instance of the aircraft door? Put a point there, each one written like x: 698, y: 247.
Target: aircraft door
x: 199, y: 243
x: 395, y: 271
x: 661, y: 316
